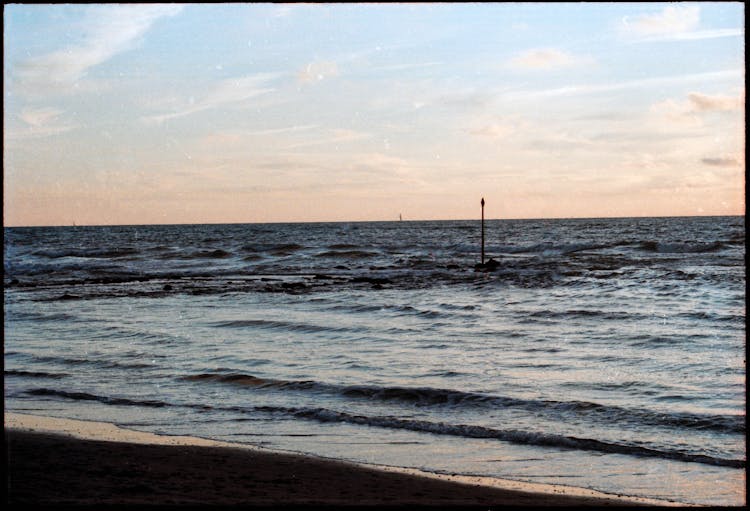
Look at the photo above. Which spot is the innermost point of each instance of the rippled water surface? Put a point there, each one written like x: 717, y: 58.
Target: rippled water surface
x: 601, y: 353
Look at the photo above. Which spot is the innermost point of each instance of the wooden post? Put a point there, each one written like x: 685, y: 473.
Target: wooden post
x: 482, y: 230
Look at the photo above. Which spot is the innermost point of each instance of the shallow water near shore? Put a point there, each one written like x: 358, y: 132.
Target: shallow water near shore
x: 602, y: 353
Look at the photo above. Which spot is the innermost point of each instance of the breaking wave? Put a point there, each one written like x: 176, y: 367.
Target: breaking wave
x: 438, y: 428
x: 427, y: 396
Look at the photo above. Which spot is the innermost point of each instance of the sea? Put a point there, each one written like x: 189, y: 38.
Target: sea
x: 604, y: 353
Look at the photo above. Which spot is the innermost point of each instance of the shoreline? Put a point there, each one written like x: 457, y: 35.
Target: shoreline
x: 65, y: 461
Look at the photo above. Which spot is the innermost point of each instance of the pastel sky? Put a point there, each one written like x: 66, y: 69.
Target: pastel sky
x: 224, y: 113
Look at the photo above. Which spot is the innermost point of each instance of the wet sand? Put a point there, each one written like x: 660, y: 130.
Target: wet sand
x: 58, y: 461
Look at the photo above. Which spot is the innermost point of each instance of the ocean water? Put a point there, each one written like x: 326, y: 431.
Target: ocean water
x: 601, y: 353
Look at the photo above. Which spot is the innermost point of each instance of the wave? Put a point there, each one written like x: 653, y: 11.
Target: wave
x: 85, y: 396
x: 428, y: 396
x: 550, y: 248
x: 451, y: 306
x: 438, y: 428
x: 281, y: 325
x: 279, y: 250
x: 38, y: 316
x: 442, y: 374
x: 357, y: 307
x: 580, y: 313
x: 231, y: 378
x: 339, y: 246
x: 104, y: 253
x: 210, y: 254
x: 540, y: 265
x: 105, y: 364
x: 712, y: 316
x: 271, y: 247
x: 680, y: 248
x: 347, y: 254
x: 547, y: 249
x: 34, y: 374
x: 513, y: 436
x: 400, y: 310
x: 736, y: 240
x: 648, y: 387
x: 183, y: 255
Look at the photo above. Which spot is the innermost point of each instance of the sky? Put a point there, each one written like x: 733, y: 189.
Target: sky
x: 233, y: 113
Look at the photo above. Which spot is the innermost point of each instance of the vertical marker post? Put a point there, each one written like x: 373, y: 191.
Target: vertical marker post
x: 482, y: 230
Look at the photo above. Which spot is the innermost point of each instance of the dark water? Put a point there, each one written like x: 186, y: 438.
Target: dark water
x: 602, y: 353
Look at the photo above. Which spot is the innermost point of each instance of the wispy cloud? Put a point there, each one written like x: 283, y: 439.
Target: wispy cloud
x: 38, y: 123
x: 672, y: 20
x: 678, y: 113
x: 107, y: 31
x: 223, y: 93
x: 40, y: 116
x: 673, y: 23
x: 317, y: 71
x: 696, y: 35
x: 337, y: 136
x: 721, y: 162
x: 281, y: 11
x: 705, y: 103
x: 629, y: 84
x: 390, y: 169
x: 239, y: 138
x: 493, y: 131
x: 405, y: 67
x: 467, y: 99
x: 277, y: 131
x: 689, y: 112
x: 546, y: 58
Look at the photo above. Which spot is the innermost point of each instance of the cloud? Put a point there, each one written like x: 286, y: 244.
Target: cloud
x: 338, y: 136
x: 467, y: 99
x: 493, y: 130
x: 698, y: 35
x: 672, y: 20
x: 237, y: 89
x: 631, y: 84
x: 107, y: 31
x: 281, y: 11
x: 704, y: 103
x: 317, y: 71
x: 689, y: 112
x: 38, y: 123
x: 225, y: 92
x: 721, y: 162
x: 676, y: 112
x: 546, y: 58
x: 290, y: 129
x: 674, y: 23
x: 240, y: 138
x: 40, y: 116
x: 406, y: 67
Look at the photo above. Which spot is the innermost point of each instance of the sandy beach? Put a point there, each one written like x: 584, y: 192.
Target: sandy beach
x: 58, y: 461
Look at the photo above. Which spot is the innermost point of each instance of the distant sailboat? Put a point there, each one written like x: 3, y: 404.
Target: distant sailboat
x: 399, y: 217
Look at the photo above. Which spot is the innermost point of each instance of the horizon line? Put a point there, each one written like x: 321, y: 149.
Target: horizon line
x: 365, y: 221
